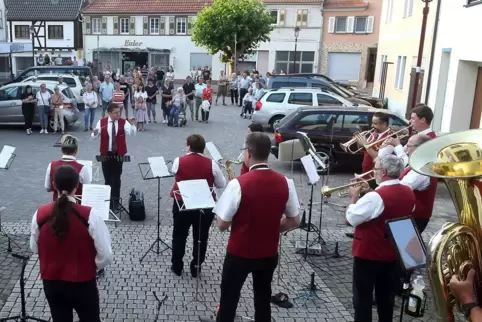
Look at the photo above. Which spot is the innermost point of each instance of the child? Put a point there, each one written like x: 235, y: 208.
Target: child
x: 140, y: 98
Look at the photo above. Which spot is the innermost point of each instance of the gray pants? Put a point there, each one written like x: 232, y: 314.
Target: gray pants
x: 151, y: 109
x: 199, y: 101
x: 190, y: 104
x: 222, y: 92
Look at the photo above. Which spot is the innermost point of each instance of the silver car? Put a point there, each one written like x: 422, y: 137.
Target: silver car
x: 11, y: 105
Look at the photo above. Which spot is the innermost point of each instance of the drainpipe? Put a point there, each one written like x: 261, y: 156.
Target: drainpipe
x: 432, y: 54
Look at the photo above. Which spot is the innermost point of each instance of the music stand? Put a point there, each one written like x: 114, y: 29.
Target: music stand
x: 158, y: 170
x: 195, y: 195
x: 97, y: 196
x: 412, y: 255
x: 6, y: 159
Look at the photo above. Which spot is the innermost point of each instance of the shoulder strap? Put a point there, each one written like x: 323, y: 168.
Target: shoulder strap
x: 76, y: 213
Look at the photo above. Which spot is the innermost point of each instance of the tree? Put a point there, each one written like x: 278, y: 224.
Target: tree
x: 230, y: 24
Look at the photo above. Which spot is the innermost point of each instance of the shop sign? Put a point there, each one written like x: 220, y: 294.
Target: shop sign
x: 132, y: 43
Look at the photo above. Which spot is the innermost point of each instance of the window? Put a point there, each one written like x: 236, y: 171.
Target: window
x: 124, y: 26
x: 22, y: 32
x: 312, y: 122
x: 154, y: 26
x: 276, y: 98
x: 1, y: 19
x: 276, y: 84
x: 408, y: 9
x: 355, y: 122
x: 285, y: 61
x: 389, y: 11
x: 181, y: 26
x: 382, y: 65
x: 360, y: 24
x: 96, y: 26
x: 56, y: 32
x: 325, y: 100
x: 400, y: 72
x: 8, y: 94
x: 301, y: 99
x: 396, y: 123
x: 340, y: 24
x: 302, y: 18
x: 274, y: 16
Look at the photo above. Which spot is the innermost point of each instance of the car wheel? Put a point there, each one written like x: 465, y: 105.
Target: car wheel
x: 273, y: 120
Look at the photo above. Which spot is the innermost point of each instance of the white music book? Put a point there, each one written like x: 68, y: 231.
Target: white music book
x: 317, y: 158
x: 196, y: 194
x: 88, y: 164
x: 213, y: 151
x: 97, y: 196
x: 6, y: 155
x: 158, y: 167
x: 310, y: 169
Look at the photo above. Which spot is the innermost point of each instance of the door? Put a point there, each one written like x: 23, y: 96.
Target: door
x: 344, y: 67
x: 295, y: 100
x: 321, y: 128
x: 10, y: 105
x: 477, y: 107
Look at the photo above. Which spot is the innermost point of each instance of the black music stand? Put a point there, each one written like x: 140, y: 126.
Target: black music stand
x: 23, y: 317
x: 118, y: 158
x: 196, y: 195
x: 160, y: 172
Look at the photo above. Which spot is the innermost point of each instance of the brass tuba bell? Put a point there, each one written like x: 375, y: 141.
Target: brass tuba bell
x: 456, y: 248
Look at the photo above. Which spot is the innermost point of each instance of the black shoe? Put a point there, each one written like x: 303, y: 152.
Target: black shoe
x: 175, y: 271
x: 100, y: 273
x: 350, y: 235
x: 194, y: 270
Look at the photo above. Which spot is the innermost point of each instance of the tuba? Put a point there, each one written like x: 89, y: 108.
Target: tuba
x: 456, y: 248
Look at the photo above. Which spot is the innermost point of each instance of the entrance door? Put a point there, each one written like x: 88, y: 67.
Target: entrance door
x: 477, y: 107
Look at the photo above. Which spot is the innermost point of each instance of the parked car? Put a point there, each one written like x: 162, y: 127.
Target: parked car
x: 74, y: 82
x: 277, y: 103
x: 11, y: 105
x: 82, y: 71
x: 329, y: 126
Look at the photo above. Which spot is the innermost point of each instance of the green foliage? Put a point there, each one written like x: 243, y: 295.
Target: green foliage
x: 226, y: 22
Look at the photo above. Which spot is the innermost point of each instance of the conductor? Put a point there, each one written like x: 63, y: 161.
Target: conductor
x: 112, y: 131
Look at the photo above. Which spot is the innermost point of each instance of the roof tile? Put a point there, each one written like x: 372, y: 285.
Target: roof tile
x: 29, y: 10
x: 332, y: 4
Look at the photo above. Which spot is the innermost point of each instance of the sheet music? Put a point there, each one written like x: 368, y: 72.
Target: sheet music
x: 196, y: 194
x: 6, y: 155
x: 88, y: 164
x: 310, y: 169
x: 213, y: 151
x: 97, y: 196
x: 318, y: 160
x: 158, y: 167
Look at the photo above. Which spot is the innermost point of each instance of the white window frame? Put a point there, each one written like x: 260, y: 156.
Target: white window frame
x: 301, y: 14
x: 1, y: 19
x: 96, y: 23
x: 408, y: 8
x: 400, y: 74
x: 152, y: 23
x: 346, y: 24
x: 179, y: 23
x: 277, y: 16
x: 366, y: 24
x: 121, y: 21
x: 389, y: 11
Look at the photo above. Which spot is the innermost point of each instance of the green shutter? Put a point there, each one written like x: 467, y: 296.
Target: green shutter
x: 88, y: 25
x: 116, y: 25
x: 162, y: 26
x: 190, y: 22
x: 132, y: 29
x: 172, y: 25
x: 145, y: 21
x: 104, y: 25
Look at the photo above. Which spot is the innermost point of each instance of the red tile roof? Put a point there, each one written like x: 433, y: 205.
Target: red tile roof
x: 334, y: 4
x: 161, y: 6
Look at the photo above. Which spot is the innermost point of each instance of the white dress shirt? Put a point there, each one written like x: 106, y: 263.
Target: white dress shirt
x: 97, y: 230
x: 400, y: 150
x: 228, y: 204
x: 128, y: 129
x: 415, y: 181
x: 219, y: 180
x: 84, y: 175
x: 368, y: 207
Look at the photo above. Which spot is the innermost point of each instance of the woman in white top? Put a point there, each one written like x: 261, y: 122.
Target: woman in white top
x: 91, y: 100
x: 140, y: 97
x: 43, y: 105
x: 248, y: 103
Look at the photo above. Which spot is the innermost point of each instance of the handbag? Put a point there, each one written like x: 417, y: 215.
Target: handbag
x: 205, y: 105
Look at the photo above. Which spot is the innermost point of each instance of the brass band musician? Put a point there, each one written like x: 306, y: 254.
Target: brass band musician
x: 251, y: 128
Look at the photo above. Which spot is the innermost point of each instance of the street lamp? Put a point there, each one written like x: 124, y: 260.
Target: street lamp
x: 297, y: 33
x: 418, y: 68
x: 32, y: 33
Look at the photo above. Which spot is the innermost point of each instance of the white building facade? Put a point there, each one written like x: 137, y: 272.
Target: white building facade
x: 456, y: 85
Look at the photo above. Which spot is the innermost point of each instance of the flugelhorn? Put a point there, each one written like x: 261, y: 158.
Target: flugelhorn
x: 342, y: 191
x: 378, y: 144
x: 347, y: 146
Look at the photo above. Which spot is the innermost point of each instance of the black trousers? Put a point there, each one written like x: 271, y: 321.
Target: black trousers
x: 205, y: 114
x: 112, y: 171
x: 28, y: 115
x: 234, y: 96
x: 183, y: 220
x: 64, y: 297
x: 248, y: 108
x: 242, y: 93
x: 235, y: 271
x: 421, y: 224
x: 369, y: 275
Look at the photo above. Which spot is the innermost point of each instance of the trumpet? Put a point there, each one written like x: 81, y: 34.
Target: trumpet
x: 229, y: 171
x: 342, y: 191
x: 347, y: 146
x: 380, y: 143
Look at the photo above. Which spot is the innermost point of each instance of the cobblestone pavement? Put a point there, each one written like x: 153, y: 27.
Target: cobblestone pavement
x: 127, y: 288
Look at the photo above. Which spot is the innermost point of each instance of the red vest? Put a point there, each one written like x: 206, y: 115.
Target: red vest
x: 54, y: 165
x: 191, y: 167
x: 244, y: 169
x: 367, y: 163
x: 71, y: 259
x: 371, y: 239
x: 255, y: 227
x: 432, y: 134
x: 425, y: 198
x: 120, y: 139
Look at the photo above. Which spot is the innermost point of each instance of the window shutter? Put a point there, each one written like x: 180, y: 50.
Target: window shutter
x: 331, y: 25
x: 350, y: 24
x: 299, y: 17
x: 145, y: 21
x: 104, y: 25
x: 172, y: 25
x: 162, y: 26
x: 190, y: 22
x: 88, y: 26
x: 370, y: 23
x: 304, y: 21
x: 282, y: 15
x: 116, y: 25
x: 132, y: 30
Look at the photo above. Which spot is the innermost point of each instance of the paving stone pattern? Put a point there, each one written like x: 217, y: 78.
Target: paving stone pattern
x: 126, y: 290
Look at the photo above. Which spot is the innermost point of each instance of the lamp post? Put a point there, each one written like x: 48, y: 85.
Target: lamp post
x: 32, y: 33
x: 297, y: 33
x: 418, y: 68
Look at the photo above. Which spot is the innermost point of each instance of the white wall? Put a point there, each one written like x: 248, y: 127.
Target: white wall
x: 3, y: 23
x: 67, y: 42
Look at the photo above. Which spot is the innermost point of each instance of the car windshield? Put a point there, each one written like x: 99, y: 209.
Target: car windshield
x: 68, y: 93
x: 344, y: 90
x: 287, y: 118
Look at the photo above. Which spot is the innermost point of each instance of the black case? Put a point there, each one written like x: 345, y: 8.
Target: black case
x: 137, y: 211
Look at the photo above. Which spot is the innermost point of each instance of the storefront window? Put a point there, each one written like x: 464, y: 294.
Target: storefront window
x: 304, y: 61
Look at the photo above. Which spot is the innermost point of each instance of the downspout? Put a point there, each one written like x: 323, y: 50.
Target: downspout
x: 320, y: 44
x: 432, y: 51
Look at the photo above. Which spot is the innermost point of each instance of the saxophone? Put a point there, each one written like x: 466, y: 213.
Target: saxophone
x: 455, y: 249
x: 229, y: 171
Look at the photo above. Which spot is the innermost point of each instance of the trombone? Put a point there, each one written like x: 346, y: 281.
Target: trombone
x: 359, y: 179
x: 347, y: 146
